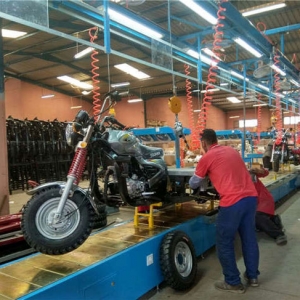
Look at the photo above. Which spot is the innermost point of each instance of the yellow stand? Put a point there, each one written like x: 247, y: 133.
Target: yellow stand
x: 148, y: 215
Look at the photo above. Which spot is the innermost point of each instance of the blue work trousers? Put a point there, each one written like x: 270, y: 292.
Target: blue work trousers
x: 240, y: 218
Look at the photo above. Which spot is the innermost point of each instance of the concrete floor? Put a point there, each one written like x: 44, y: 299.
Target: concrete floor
x: 279, y: 265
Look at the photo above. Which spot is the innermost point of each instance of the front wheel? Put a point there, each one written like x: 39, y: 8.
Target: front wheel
x: 178, y: 260
x: 69, y: 233
x: 276, y: 162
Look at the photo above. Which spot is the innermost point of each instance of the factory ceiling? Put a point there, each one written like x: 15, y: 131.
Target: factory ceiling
x: 58, y: 30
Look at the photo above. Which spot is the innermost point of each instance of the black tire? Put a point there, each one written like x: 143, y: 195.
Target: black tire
x: 267, y: 162
x: 276, y: 162
x: 63, y: 237
x: 101, y: 219
x: 178, y: 260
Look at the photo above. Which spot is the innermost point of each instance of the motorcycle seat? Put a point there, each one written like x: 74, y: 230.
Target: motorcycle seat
x: 151, y: 152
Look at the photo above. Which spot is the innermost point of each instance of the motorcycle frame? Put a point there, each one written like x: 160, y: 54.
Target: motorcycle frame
x: 69, y: 187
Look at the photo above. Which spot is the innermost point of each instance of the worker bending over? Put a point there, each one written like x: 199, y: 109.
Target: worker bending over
x: 238, y: 200
x: 265, y: 219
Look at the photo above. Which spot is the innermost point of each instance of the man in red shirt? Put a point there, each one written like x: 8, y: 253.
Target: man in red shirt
x: 238, y: 199
x: 265, y: 218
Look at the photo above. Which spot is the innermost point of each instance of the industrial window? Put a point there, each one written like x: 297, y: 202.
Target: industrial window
x: 248, y: 123
x: 291, y: 120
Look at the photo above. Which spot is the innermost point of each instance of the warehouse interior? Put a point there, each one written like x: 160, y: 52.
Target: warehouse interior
x: 230, y: 65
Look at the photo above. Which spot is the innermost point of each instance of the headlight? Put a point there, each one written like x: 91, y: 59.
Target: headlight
x: 74, y: 133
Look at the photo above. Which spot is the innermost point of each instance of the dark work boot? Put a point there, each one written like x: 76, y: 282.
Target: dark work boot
x: 251, y: 281
x: 223, y: 286
x: 281, y: 240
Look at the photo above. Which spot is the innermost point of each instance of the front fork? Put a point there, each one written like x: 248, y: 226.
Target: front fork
x: 74, y: 175
x: 63, y: 199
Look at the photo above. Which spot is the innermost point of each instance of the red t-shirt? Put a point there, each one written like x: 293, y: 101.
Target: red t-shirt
x: 266, y: 203
x: 228, y: 173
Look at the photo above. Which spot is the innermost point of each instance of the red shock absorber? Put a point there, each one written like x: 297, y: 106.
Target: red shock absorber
x: 258, y: 131
x: 277, y: 100
x: 78, y: 164
x: 195, y: 143
x: 96, y: 95
x: 212, y: 74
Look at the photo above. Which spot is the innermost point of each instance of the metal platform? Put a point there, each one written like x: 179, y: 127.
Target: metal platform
x: 121, y: 262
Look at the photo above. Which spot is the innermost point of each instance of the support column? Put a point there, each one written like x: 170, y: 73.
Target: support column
x: 4, y: 191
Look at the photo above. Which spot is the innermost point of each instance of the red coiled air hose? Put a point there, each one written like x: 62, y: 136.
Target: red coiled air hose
x: 195, y: 143
x: 96, y: 95
x: 212, y: 74
x: 277, y: 101
x: 258, y: 131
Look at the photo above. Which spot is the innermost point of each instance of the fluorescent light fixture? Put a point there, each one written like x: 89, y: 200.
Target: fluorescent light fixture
x: 224, y: 83
x: 85, y: 92
x: 84, y: 52
x: 12, y: 33
x: 235, y: 74
x: 295, y: 82
x: 74, y: 107
x: 263, y: 87
x: 210, y: 90
x: 247, y: 47
x: 197, y: 110
x: 234, y: 117
x: 132, y: 71
x: 278, y: 70
x: 134, y: 100
x: 120, y: 84
x: 210, y: 53
x: 233, y: 99
x: 48, y: 96
x: 130, y: 23
x: 203, y: 58
x: 286, y: 112
x: 292, y: 100
x: 261, y: 104
x: 200, y: 11
x: 75, y: 82
x: 262, y: 9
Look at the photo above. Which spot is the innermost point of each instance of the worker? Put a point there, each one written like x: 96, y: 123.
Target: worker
x: 265, y: 219
x: 238, y: 199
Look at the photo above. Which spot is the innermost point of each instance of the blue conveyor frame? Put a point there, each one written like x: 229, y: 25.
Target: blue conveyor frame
x: 126, y: 275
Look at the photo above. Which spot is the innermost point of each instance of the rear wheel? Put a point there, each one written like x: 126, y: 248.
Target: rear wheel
x: 68, y: 234
x: 178, y: 260
x: 101, y: 219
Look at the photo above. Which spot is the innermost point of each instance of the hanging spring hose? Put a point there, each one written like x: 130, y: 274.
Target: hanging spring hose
x: 96, y: 94
x: 195, y: 143
x: 277, y: 100
x: 212, y: 74
x: 259, y: 114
